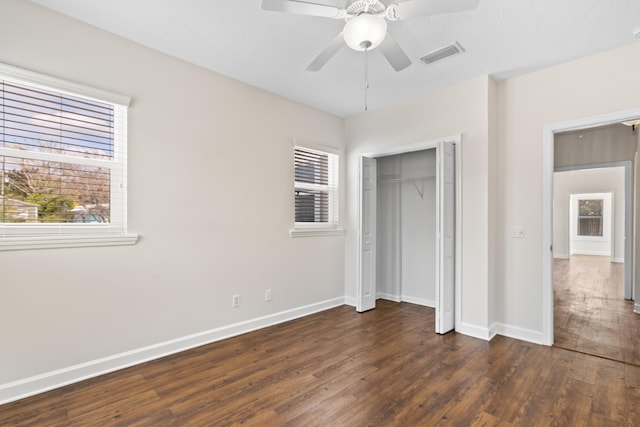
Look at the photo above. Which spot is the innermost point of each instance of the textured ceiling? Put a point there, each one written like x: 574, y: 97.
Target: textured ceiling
x: 502, y: 38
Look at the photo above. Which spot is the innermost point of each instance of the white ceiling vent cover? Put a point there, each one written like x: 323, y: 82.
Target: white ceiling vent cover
x: 442, y: 53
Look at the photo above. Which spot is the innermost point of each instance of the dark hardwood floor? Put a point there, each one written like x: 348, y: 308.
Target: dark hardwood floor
x: 385, y: 367
x: 590, y: 312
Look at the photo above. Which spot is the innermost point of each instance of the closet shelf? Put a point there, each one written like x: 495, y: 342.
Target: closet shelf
x: 408, y: 179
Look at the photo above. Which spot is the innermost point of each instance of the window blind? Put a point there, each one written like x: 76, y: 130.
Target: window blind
x: 316, y: 187
x: 37, y: 120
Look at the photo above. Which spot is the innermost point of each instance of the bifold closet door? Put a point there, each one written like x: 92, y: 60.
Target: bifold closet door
x: 445, y: 220
x: 366, y: 289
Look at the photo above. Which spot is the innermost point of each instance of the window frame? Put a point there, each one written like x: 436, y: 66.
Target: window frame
x: 55, y: 235
x: 332, y: 226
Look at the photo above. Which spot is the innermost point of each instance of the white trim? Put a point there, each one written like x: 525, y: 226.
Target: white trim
x: 475, y: 331
x: 419, y: 301
x: 404, y: 298
x: 408, y: 148
x: 66, y: 241
x: 20, y: 75
x: 313, y: 232
x: 40, y: 383
x: 595, y: 253
x: 547, y: 202
x: 388, y: 297
x: 560, y: 256
x: 618, y: 260
x: 458, y: 231
x: 350, y: 301
x: 636, y: 308
x: 518, y: 333
x: 320, y: 148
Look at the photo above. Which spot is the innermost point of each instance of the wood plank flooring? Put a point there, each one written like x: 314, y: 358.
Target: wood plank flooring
x: 590, y: 312
x: 385, y: 367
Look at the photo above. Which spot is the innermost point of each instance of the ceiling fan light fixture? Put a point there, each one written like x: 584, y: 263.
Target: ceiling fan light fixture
x: 365, y: 31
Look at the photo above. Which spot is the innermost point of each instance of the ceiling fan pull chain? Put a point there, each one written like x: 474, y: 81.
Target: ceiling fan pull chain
x: 366, y: 75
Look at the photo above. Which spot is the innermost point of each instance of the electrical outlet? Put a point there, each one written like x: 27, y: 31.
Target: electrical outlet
x: 236, y: 300
x: 267, y: 295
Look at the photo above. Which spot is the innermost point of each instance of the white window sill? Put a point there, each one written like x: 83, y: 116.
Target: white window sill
x: 66, y: 241
x: 311, y: 232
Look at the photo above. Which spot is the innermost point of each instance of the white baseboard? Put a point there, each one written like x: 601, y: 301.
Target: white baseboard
x: 475, y: 331
x: 405, y: 298
x: 419, y: 301
x: 560, y: 256
x: 598, y: 253
x: 620, y: 260
x: 350, y: 301
x: 50, y: 380
x: 389, y: 297
x: 518, y: 333
x: 636, y: 308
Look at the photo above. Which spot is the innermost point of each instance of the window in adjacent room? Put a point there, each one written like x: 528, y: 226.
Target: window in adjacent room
x: 316, y: 188
x: 62, y: 158
x: 590, y: 217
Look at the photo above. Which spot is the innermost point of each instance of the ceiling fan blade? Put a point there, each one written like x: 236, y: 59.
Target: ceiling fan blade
x: 414, y: 8
x: 394, y: 53
x: 329, y: 52
x: 303, y: 8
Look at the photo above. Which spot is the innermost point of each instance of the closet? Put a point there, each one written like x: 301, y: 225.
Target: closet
x: 406, y: 215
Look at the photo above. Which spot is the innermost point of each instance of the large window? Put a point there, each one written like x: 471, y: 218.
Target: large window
x: 316, y: 188
x: 62, y: 157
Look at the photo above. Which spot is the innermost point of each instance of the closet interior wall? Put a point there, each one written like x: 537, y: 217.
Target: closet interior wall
x: 406, y: 227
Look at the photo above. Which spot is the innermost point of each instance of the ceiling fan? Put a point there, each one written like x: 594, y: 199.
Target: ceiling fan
x: 366, y: 23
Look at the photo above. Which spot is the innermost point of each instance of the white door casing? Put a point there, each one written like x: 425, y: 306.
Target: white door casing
x: 549, y: 132
x: 445, y: 236
x: 366, y: 289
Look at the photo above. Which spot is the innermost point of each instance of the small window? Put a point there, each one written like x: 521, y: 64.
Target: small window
x: 316, y: 188
x: 62, y: 157
x: 590, y: 217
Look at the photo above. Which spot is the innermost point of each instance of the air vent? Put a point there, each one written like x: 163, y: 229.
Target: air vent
x: 442, y: 53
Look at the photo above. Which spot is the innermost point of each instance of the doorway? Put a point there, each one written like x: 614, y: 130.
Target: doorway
x: 566, y: 273
x: 408, y: 248
x: 592, y: 314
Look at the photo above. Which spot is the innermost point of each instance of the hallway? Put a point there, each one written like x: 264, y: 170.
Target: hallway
x: 590, y: 312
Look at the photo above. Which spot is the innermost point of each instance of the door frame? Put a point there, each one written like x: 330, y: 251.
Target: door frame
x: 548, y: 138
x: 408, y: 148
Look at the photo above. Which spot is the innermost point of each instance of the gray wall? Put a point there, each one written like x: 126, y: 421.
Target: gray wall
x: 605, y: 144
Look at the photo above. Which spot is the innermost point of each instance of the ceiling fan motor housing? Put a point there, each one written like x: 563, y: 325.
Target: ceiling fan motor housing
x: 356, y: 7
